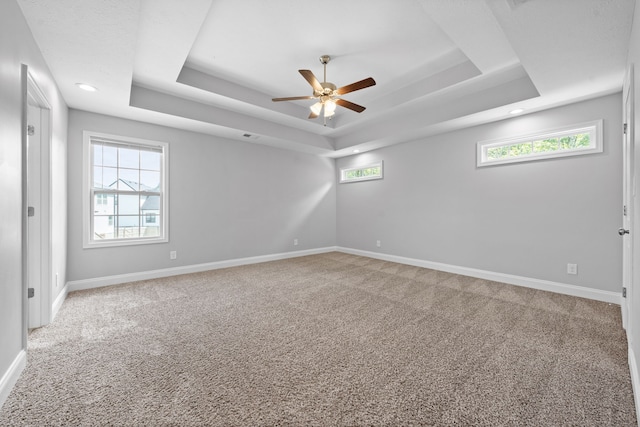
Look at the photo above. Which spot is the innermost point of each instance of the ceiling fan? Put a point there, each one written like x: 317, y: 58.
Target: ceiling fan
x: 328, y: 94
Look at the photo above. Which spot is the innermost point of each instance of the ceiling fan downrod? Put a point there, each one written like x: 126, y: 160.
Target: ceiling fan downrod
x: 324, y: 60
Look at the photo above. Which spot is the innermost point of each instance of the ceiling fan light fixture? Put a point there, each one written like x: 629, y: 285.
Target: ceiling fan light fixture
x: 329, y: 108
x: 316, y: 108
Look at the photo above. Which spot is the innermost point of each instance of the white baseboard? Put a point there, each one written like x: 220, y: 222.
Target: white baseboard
x: 635, y: 378
x: 544, y: 285
x: 10, y: 377
x: 58, y: 302
x: 77, y: 285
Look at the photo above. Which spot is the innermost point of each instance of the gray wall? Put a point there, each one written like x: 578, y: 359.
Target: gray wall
x: 526, y: 219
x: 227, y: 200
x: 18, y: 47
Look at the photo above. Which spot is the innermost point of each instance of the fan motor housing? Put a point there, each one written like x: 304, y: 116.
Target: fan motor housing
x: 328, y: 88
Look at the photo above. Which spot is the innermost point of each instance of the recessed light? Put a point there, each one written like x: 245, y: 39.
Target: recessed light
x: 356, y: 151
x: 516, y: 111
x: 86, y: 87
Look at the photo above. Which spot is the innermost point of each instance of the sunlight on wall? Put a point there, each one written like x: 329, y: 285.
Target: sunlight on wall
x: 305, y: 207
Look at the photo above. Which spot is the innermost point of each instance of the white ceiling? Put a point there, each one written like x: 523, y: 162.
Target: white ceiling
x: 212, y: 66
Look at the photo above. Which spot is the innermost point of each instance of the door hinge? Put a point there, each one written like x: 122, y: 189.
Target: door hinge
x: 624, y: 210
x: 31, y: 292
x: 31, y: 130
x: 31, y: 211
x: 624, y: 292
x: 624, y: 128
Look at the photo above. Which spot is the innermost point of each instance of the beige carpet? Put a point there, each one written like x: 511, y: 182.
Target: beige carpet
x: 324, y: 340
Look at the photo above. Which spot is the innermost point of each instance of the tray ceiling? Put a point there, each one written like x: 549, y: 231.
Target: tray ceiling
x: 213, y: 66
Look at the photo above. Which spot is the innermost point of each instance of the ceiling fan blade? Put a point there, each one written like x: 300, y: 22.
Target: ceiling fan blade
x: 292, y: 98
x: 308, y: 76
x: 313, y: 115
x: 355, y: 86
x: 350, y: 105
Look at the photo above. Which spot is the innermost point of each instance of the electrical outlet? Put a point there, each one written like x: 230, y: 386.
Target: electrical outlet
x: 173, y: 254
x: 295, y: 242
x: 378, y: 243
x: 572, y: 268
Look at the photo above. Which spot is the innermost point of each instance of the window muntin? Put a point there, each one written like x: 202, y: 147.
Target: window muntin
x: 125, y: 190
x: 583, y: 138
x: 361, y: 173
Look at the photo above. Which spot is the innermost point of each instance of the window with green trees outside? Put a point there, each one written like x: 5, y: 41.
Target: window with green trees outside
x: 573, y: 140
x: 361, y: 173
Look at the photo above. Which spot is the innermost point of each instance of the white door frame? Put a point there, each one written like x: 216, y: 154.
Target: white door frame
x: 36, y: 97
x: 629, y: 199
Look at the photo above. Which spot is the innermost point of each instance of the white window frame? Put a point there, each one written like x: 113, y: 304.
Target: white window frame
x: 594, y: 128
x: 87, y: 190
x: 344, y: 171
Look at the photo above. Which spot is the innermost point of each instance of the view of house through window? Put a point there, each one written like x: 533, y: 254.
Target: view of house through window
x: 126, y: 190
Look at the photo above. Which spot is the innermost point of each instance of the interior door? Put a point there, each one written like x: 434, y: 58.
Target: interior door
x: 34, y: 231
x: 628, y: 193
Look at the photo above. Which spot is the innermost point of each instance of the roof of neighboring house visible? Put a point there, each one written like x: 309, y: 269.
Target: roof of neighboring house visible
x: 151, y: 204
x: 135, y: 186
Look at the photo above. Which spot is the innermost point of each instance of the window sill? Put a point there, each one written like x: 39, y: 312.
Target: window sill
x: 123, y: 242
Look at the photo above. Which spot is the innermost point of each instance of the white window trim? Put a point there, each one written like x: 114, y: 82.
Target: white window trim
x: 343, y: 173
x: 87, y: 168
x: 593, y: 127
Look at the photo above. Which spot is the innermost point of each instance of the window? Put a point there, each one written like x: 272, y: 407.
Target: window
x: 125, y: 195
x: 361, y: 173
x: 583, y: 138
x: 101, y: 199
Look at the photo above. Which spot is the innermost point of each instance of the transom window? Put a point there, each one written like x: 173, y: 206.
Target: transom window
x: 361, y: 173
x: 583, y: 138
x: 125, y: 190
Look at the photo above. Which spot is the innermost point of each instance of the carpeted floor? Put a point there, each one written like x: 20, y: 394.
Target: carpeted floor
x: 323, y: 340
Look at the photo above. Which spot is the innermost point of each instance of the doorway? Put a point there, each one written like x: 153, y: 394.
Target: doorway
x: 38, y: 196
